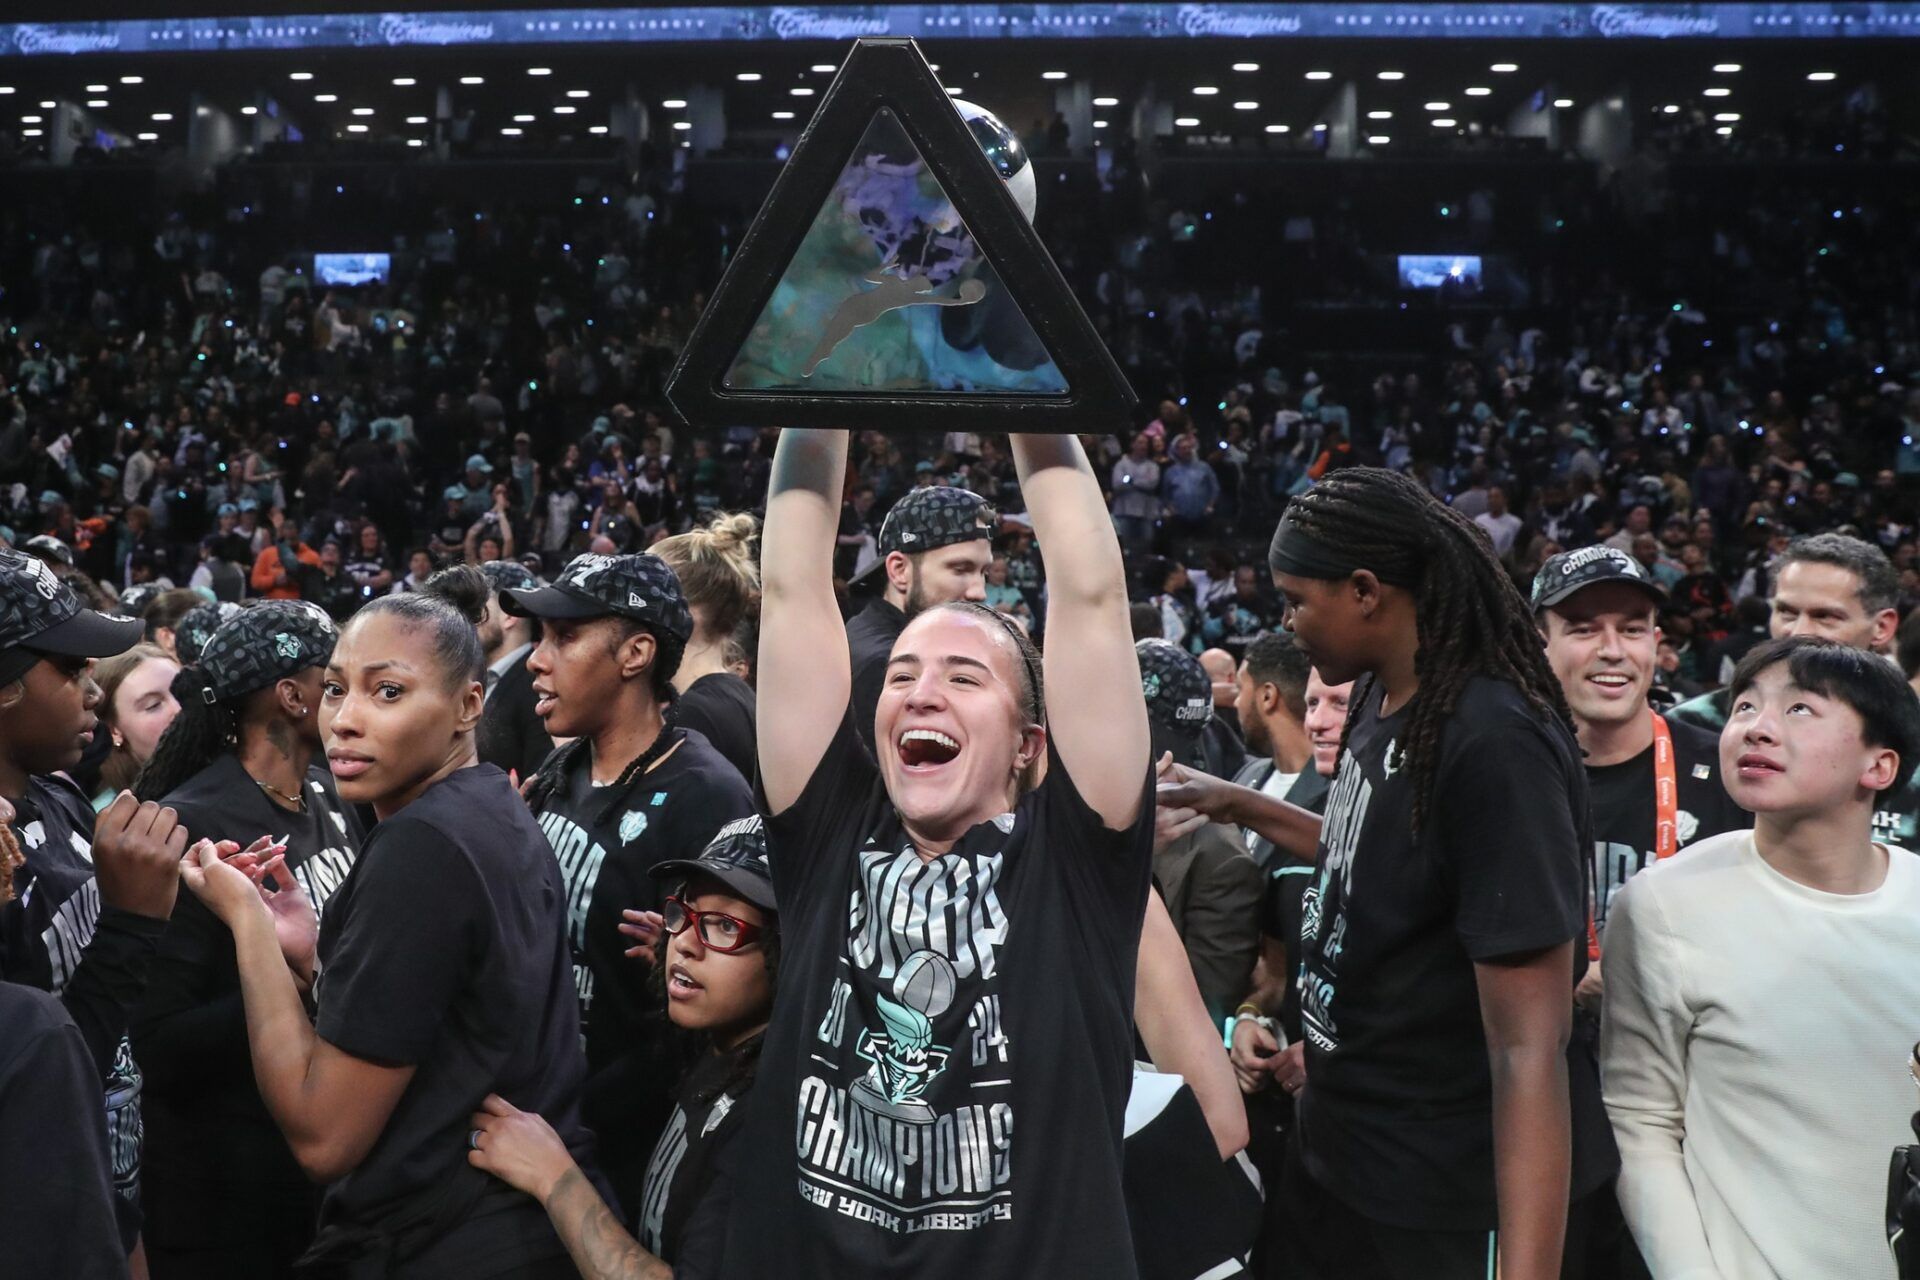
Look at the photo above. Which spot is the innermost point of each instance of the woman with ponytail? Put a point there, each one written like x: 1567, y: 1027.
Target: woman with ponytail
x: 442, y: 967
x: 629, y: 792
x: 239, y: 762
x: 721, y: 582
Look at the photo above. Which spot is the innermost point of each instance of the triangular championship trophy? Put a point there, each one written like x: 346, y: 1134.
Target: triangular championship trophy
x: 893, y: 280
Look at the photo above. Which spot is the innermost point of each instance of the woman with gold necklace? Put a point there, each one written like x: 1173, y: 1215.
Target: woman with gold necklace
x: 241, y: 759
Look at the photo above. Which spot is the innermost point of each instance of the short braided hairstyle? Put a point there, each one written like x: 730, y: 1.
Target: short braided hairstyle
x: 1470, y: 617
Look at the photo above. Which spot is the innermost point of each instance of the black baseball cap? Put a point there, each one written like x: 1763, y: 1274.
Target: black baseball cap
x: 641, y: 587
x: 197, y: 626
x: 736, y: 857
x: 265, y: 643
x: 41, y: 615
x: 1179, y: 696
x: 1570, y: 571
x: 928, y: 519
x: 508, y: 575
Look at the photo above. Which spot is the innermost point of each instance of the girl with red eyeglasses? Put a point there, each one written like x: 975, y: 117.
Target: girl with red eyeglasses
x: 717, y: 959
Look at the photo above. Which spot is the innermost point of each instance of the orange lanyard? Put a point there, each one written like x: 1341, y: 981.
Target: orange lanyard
x: 1666, y: 811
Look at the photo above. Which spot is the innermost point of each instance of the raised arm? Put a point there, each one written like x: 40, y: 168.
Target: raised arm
x: 1179, y: 1036
x: 805, y: 673
x: 1095, y: 712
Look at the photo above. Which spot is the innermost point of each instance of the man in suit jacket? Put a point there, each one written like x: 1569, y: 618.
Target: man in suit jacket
x: 511, y: 735
x: 1211, y: 887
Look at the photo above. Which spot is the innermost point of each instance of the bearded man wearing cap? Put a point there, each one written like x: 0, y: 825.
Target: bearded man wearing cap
x: 935, y: 546
x: 93, y: 895
x: 1653, y: 785
x: 512, y: 735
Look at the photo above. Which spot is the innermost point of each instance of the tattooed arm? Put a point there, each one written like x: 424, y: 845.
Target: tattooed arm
x: 522, y: 1150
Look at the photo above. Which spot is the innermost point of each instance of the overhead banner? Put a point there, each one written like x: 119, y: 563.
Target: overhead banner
x: 731, y: 23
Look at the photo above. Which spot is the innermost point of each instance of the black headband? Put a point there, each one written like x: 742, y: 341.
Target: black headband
x: 1295, y: 551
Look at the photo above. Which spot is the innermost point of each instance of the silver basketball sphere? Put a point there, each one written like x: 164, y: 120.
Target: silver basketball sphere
x: 1006, y: 151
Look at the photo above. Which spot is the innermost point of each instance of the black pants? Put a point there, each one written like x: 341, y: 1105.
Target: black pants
x: 1332, y: 1242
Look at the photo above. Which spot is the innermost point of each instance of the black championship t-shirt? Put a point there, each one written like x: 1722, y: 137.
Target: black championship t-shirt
x: 943, y: 1084
x: 1396, y: 1119
x: 207, y: 1128
x: 683, y: 1209
x: 1623, y: 810
x: 719, y: 707
x: 446, y: 950
x: 55, y: 936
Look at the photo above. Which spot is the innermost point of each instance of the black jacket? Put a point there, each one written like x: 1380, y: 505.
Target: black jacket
x: 512, y: 737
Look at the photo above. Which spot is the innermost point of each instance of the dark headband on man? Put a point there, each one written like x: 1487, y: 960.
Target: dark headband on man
x: 1296, y: 552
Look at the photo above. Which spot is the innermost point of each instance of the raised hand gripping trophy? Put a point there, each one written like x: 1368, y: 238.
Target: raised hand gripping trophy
x: 893, y: 279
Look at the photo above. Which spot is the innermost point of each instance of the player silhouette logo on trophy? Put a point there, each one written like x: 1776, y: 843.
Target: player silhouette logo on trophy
x: 893, y: 293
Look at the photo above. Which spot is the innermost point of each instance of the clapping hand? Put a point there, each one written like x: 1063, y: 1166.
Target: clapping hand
x: 645, y: 927
x: 136, y: 855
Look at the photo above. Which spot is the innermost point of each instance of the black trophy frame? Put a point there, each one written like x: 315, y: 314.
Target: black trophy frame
x: 890, y: 72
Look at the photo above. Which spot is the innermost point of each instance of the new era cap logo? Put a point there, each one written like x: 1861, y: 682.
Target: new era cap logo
x: 906, y: 536
x: 635, y: 600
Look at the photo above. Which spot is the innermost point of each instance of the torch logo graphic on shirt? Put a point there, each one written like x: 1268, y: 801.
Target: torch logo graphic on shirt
x: 904, y: 1059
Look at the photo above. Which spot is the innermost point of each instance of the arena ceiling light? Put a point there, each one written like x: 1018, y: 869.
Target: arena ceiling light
x: 579, y: 93
x: 148, y: 137
x: 511, y: 132
x: 674, y: 104
x: 1671, y: 109
x: 1391, y: 75
x: 1100, y: 124
x: 1725, y: 131
x: 1444, y: 122
x: 123, y: 80
x: 1245, y: 67
x: 1726, y: 68
x: 1504, y: 68
x: 1053, y: 75
x: 783, y: 115
x: 1187, y: 122
x: 404, y: 82
x: 1378, y: 140
x: 1277, y: 128
x: 416, y: 142
x: 96, y: 88
x: 416, y: 119
x: 31, y: 133
x: 249, y: 110
x: 1379, y: 115
x: 1205, y: 91
x: 1319, y: 75
x: 823, y: 68
x: 683, y: 124
x: 565, y: 111
x: 1821, y: 77
x: 1727, y: 117
x: 37, y: 119
x: 596, y: 128
x: 1717, y: 93
x: 800, y: 91
x: 539, y: 71
x: 48, y: 104
x: 1439, y: 106
x: 473, y: 79
x: 952, y: 92
x: 746, y: 77
x: 158, y: 117
x: 523, y: 119
x: 1563, y: 103
x: 1246, y: 106
x: 363, y: 111
x: 1479, y: 91
x: 96, y: 103
x: 326, y: 97
x: 356, y: 128
x: 291, y: 75
x: 1106, y: 102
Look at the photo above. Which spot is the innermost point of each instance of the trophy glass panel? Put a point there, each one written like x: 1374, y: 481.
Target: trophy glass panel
x: 888, y: 293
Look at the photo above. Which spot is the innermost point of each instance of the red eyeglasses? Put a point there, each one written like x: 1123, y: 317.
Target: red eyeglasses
x: 718, y: 930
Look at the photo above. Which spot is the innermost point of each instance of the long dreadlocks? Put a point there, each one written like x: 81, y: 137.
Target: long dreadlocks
x: 1470, y: 617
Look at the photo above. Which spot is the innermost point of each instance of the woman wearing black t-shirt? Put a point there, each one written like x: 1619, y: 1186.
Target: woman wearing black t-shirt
x: 444, y: 974
x: 629, y: 792
x: 236, y: 764
x: 722, y: 586
x: 720, y: 964
x: 1438, y: 934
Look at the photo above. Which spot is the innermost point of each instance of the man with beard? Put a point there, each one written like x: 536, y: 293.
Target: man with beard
x: 935, y: 546
x: 512, y: 735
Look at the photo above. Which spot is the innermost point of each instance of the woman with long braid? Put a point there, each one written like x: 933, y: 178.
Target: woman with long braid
x: 1438, y: 936
x: 240, y: 761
